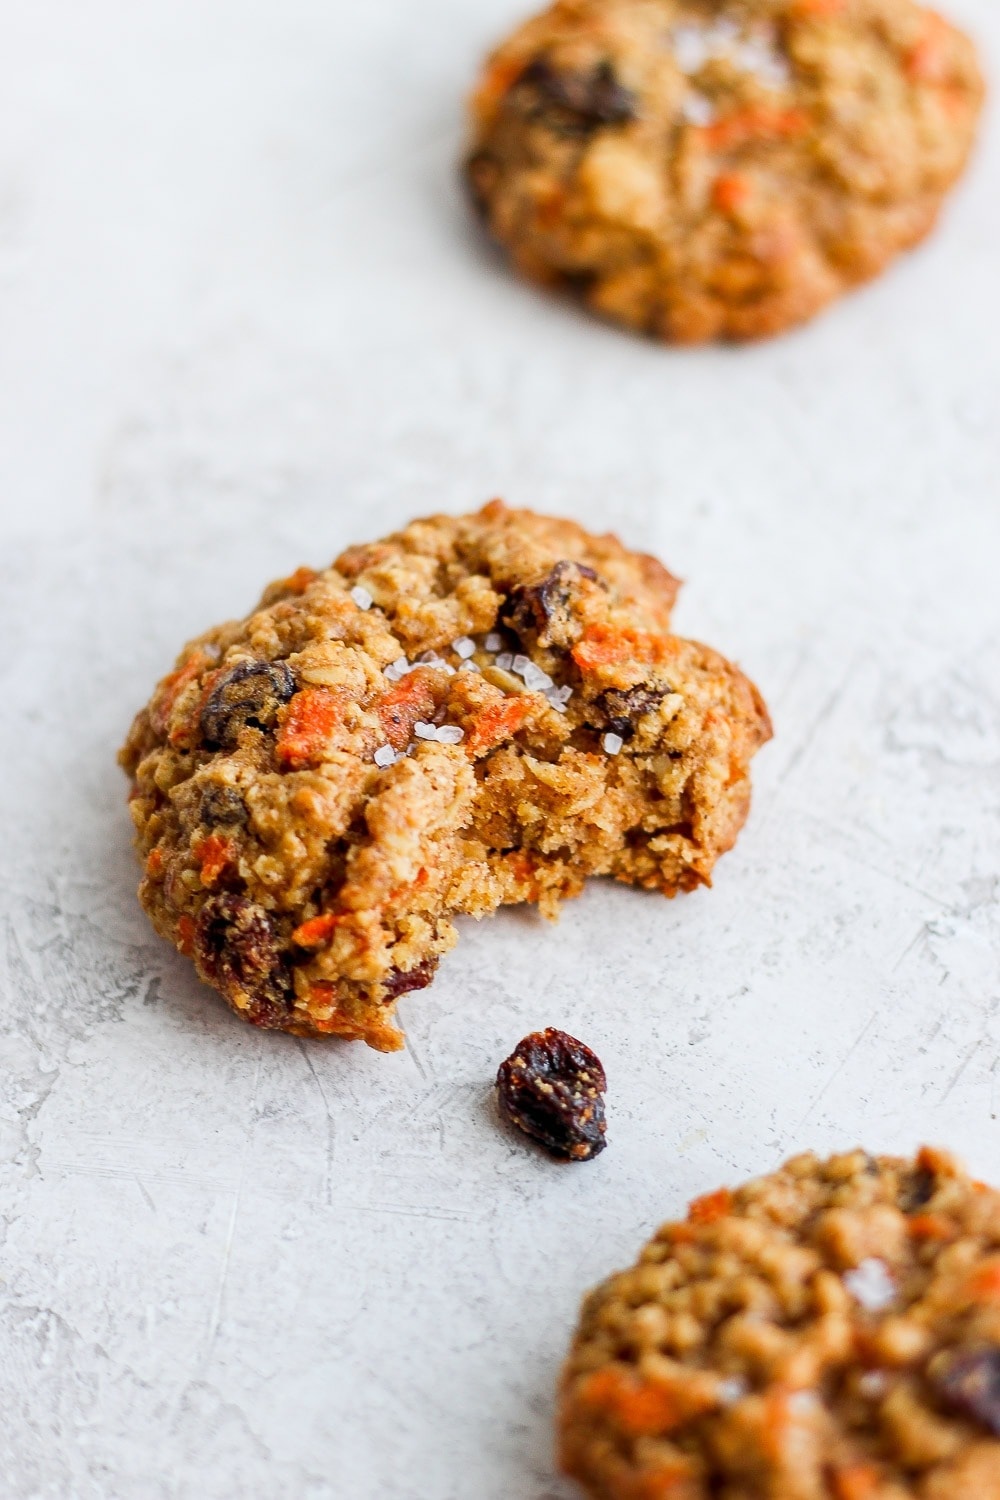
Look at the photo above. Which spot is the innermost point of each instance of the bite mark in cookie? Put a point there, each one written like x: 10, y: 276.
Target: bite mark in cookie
x: 476, y: 711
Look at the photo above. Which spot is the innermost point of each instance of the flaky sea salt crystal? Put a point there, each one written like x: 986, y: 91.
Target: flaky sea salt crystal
x: 697, y: 109
x: 494, y: 641
x: 361, y: 597
x: 468, y: 666
x: 612, y: 743
x: 425, y: 731
x: 429, y: 659
x: 534, y: 678
x: 385, y: 755
x: 871, y: 1285
x: 464, y: 646
x: 450, y: 734
x: 692, y: 47
x: 397, y: 669
x: 505, y: 661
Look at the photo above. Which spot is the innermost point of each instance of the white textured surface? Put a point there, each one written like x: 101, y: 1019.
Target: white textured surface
x: 244, y: 320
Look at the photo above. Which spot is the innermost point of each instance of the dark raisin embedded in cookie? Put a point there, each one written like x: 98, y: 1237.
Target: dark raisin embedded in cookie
x: 552, y: 1088
x: 407, y: 736
x: 247, y: 695
x: 575, y: 102
x: 703, y: 169
x: 968, y: 1382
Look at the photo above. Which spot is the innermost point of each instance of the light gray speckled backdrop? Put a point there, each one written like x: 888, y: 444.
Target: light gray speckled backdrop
x: 243, y: 320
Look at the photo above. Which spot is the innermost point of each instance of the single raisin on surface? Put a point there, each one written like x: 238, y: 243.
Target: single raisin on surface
x: 237, y: 947
x: 969, y: 1383
x: 248, y: 695
x: 552, y: 1088
x: 578, y: 103
x: 542, y: 608
x: 401, y: 981
x: 623, y: 709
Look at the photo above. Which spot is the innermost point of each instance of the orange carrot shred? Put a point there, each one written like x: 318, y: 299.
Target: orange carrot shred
x: 309, y: 721
x: 931, y: 1227
x: 316, y: 931
x: 172, y: 688
x: 607, y: 646
x: 638, y: 1407
x: 214, y: 853
x: 711, y: 1208
x: 730, y: 192
x: 855, y: 1481
x: 185, y: 934
x: 497, y: 723
x: 756, y: 122
x: 405, y: 705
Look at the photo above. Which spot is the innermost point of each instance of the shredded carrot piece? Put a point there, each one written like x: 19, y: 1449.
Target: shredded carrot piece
x: 299, y: 581
x: 154, y: 863
x: 931, y: 1227
x: 929, y: 62
x: 497, y: 81
x: 984, y: 1284
x: 606, y: 646
x: 404, y: 705
x: 711, y: 1208
x: 756, y: 122
x: 172, y: 688
x: 214, y: 853
x: 804, y: 8
x: 317, y: 930
x: 856, y: 1482
x: 667, y: 1482
x: 730, y: 192
x: 185, y: 934
x: 638, y: 1407
x: 309, y: 721
x: 497, y: 723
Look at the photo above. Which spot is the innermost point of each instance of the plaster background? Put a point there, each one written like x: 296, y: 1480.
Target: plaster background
x: 245, y: 319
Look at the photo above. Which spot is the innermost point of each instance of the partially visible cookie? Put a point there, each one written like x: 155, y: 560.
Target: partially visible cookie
x: 702, y: 169
x: 476, y: 711
x: 831, y: 1332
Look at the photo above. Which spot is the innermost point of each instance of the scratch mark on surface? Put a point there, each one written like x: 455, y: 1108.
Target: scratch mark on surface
x: 970, y: 1054
x: 331, y: 1133
x: 824, y: 715
x: 142, y: 1188
x: 216, y: 1315
x: 839, y: 1068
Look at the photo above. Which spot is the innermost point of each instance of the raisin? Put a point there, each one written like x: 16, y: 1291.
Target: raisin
x: 237, y: 947
x: 542, y: 608
x: 552, y: 1088
x: 918, y: 1189
x: 248, y: 695
x: 222, y: 804
x: 401, y: 981
x: 969, y: 1383
x: 622, y: 709
x: 578, y: 103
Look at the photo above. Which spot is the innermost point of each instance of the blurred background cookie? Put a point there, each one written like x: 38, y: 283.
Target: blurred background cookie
x: 719, y: 170
x: 830, y: 1332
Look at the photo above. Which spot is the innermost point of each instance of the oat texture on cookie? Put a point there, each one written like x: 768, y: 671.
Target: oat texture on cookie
x: 701, y: 169
x: 475, y: 711
x: 830, y: 1332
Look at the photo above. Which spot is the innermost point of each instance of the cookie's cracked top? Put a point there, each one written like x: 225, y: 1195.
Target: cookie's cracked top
x: 720, y: 168
x: 475, y: 711
x: 830, y: 1332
